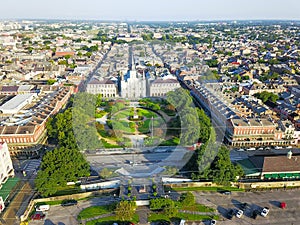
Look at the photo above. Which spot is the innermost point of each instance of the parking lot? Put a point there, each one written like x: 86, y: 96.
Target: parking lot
x: 255, y: 200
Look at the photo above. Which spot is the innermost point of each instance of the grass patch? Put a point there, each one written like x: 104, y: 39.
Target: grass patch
x: 108, y: 145
x: 144, y: 127
x: 95, y: 211
x: 67, y: 190
x: 110, y: 220
x: 146, y: 113
x: 207, y: 189
x: 171, y: 142
x: 198, y: 208
x: 123, y: 114
x: 196, y: 217
x: 102, y: 221
x: 157, y: 217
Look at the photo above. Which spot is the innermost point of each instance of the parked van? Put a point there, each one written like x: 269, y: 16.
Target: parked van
x: 42, y: 208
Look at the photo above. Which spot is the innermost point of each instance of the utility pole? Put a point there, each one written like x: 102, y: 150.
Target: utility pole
x: 152, y: 127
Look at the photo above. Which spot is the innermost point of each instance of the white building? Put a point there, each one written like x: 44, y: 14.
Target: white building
x: 6, y: 166
x: 14, y: 105
x: 133, y: 85
x: 160, y: 87
x: 105, y: 86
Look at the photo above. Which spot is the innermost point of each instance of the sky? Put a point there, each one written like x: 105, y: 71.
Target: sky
x: 151, y: 10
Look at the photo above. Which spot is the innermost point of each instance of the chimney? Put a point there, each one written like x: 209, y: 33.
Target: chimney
x: 289, y: 154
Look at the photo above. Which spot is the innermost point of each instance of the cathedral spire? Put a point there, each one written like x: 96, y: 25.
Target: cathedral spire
x: 132, y: 63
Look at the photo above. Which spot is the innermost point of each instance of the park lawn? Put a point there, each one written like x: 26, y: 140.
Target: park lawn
x: 145, y: 127
x: 146, y: 113
x: 219, y: 188
x: 94, y: 211
x: 123, y: 126
x: 123, y: 114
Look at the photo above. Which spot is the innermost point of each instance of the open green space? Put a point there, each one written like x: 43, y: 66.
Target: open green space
x: 94, y: 211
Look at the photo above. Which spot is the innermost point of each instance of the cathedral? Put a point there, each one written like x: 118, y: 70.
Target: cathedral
x: 133, y: 84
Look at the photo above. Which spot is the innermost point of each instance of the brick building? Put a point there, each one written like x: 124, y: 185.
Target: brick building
x: 26, y: 138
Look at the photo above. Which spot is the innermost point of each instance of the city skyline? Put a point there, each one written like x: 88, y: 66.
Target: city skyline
x: 155, y: 10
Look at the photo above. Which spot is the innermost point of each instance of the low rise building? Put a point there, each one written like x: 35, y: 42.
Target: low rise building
x: 160, y: 87
x: 105, y: 86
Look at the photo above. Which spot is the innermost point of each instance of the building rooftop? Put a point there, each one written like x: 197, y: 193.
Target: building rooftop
x: 16, y: 102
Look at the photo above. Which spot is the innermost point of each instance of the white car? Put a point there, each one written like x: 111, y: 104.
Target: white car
x: 265, y: 211
x: 213, y: 222
x: 239, y: 213
x: 240, y: 150
x: 251, y: 149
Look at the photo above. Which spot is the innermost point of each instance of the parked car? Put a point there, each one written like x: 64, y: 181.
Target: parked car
x: 240, y: 150
x: 251, y: 149
x: 68, y: 202
x: 38, y: 216
x: 213, y: 222
x: 42, y: 207
x: 225, y: 192
x: 282, y: 205
x: 230, y: 214
x: 239, y: 213
x: 265, y: 211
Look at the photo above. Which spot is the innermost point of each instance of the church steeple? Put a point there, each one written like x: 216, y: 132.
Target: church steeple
x: 132, y: 63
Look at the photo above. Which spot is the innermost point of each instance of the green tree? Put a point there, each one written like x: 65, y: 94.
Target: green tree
x: 105, y: 173
x: 222, y: 170
x: 125, y: 210
x: 187, y: 199
x: 58, y: 167
x: 170, y: 209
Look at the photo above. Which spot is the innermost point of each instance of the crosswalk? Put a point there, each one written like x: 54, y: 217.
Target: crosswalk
x: 32, y: 165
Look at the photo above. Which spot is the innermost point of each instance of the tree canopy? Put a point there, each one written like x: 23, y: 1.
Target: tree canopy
x: 265, y: 96
x: 58, y: 167
x: 125, y: 210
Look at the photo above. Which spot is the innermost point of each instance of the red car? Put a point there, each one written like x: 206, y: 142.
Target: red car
x: 38, y: 216
x: 283, y: 205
